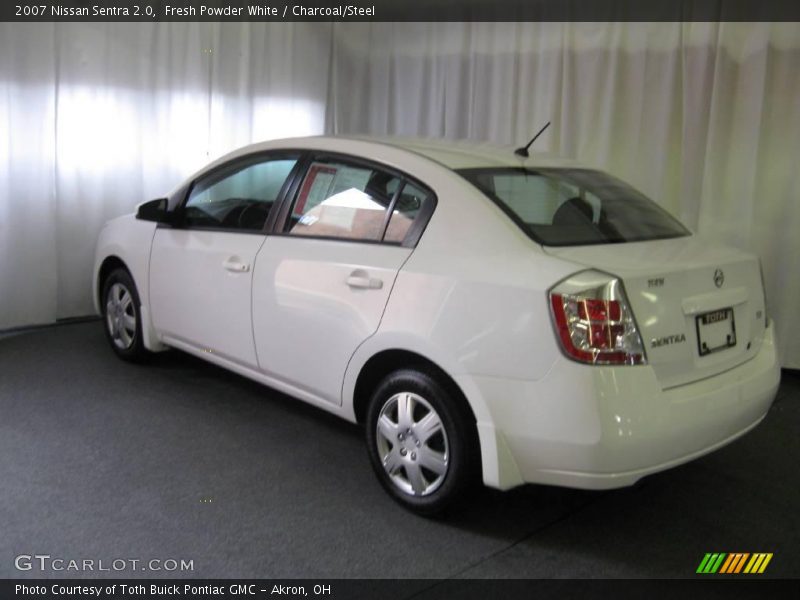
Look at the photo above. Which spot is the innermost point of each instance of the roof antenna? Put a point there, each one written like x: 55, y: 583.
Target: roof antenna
x: 523, y: 151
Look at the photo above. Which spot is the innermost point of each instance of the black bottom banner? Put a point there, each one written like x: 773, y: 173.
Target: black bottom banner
x: 392, y: 589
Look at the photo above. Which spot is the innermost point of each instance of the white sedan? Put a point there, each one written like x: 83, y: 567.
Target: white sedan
x: 487, y: 316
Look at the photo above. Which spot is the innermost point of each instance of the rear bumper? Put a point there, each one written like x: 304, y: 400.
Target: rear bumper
x: 607, y: 427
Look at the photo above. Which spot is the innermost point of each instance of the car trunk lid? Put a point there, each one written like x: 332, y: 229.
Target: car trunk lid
x: 699, y: 307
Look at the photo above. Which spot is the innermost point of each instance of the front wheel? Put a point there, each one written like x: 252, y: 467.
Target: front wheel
x: 121, y: 317
x: 421, y: 441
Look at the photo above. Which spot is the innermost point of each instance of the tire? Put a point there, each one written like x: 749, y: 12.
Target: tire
x: 122, y: 319
x: 422, y: 442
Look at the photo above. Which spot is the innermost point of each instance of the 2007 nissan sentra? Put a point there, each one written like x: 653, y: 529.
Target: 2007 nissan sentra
x: 487, y: 316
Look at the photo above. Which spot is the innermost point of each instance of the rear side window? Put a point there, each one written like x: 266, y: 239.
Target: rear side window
x: 352, y: 201
x: 342, y: 200
x: 406, y: 210
x: 566, y: 207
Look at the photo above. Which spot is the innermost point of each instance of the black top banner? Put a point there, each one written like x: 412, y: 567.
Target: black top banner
x: 402, y: 10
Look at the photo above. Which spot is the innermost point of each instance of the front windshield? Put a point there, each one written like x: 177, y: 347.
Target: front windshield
x: 572, y: 207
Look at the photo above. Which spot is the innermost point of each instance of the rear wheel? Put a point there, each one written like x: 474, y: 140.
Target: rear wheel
x: 421, y: 441
x: 121, y: 316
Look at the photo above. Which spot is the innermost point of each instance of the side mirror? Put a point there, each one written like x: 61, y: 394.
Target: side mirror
x: 154, y: 210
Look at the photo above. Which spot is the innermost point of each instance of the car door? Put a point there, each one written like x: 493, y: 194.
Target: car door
x: 201, y: 269
x: 322, y: 280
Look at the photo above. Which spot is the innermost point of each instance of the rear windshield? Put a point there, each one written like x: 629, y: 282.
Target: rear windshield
x: 573, y: 207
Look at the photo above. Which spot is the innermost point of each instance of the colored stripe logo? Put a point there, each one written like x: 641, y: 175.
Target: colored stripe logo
x: 734, y: 563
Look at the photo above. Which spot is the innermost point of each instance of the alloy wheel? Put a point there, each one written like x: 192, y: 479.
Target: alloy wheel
x: 412, y: 444
x: 121, y: 316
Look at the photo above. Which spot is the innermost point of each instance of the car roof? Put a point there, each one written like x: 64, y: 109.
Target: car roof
x: 464, y: 154
x: 453, y: 154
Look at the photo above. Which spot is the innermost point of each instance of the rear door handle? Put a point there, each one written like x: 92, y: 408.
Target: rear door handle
x: 361, y: 279
x: 236, y: 266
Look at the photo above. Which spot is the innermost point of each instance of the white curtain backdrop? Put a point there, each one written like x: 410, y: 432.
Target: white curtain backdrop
x: 703, y: 117
x: 95, y: 118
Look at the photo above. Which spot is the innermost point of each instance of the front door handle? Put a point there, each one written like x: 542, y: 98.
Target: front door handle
x: 234, y: 265
x: 361, y: 279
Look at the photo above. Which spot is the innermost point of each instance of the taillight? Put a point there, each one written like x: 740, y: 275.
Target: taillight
x: 594, y: 321
x: 763, y: 291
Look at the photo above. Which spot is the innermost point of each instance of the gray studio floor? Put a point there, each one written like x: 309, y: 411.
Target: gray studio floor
x: 101, y: 459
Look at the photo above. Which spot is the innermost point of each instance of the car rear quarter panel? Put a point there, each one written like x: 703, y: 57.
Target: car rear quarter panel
x: 472, y: 297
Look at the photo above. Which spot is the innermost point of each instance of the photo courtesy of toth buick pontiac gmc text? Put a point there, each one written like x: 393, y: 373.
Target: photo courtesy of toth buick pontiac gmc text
x: 488, y: 317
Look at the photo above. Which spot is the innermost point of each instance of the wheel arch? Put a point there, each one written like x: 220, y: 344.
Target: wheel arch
x: 381, y: 364
x: 387, y: 361
x: 109, y: 265
x: 378, y: 357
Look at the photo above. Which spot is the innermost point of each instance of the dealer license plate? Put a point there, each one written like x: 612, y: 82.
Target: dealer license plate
x: 715, y: 331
